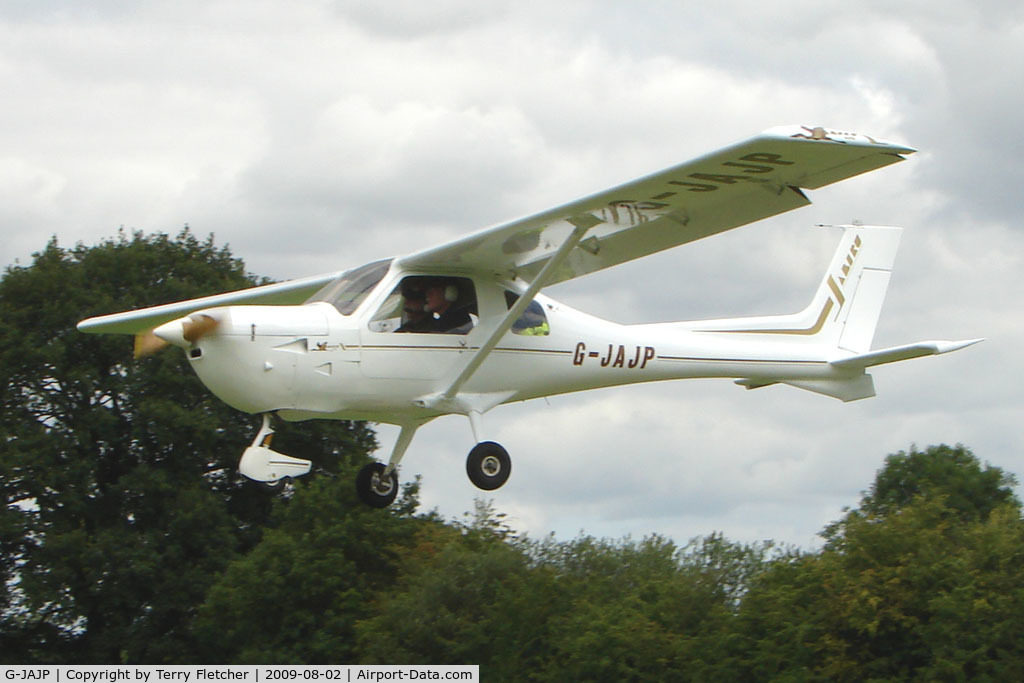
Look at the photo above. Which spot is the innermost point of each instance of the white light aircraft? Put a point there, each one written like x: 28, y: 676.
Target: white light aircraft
x: 462, y: 327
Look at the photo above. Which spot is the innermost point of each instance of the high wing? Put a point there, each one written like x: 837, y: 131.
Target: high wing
x: 740, y: 184
x: 142, y: 320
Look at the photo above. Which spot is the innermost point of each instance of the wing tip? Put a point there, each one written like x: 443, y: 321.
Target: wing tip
x: 824, y: 134
x: 88, y: 325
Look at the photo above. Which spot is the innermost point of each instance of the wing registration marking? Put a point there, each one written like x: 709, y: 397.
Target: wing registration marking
x: 751, y: 167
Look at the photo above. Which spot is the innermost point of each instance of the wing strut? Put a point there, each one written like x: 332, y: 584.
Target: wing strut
x: 582, y: 224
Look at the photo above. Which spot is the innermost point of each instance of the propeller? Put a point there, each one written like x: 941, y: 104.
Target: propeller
x: 194, y: 329
x: 147, y: 343
x: 183, y: 332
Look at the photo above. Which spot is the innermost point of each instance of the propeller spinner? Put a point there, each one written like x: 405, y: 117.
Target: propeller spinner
x: 183, y: 332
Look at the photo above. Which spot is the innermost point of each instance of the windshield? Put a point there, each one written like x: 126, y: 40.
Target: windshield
x: 351, y: 287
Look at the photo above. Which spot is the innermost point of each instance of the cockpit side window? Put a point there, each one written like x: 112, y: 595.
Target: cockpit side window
x: 429, y: 304
x: 352, y: 287
x: 533, y: 322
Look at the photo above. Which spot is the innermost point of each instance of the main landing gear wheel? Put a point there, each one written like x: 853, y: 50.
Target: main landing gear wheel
x: 373, y: 488
x: 488, y: 465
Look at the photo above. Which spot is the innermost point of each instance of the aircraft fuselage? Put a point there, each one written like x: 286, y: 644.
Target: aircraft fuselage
x: 310, y: 361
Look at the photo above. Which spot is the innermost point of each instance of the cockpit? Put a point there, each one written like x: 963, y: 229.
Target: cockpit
x: 445, y: 304
x: 429, y: 304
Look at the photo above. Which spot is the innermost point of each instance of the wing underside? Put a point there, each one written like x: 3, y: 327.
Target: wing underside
x: 142, y: 320
x: 740, y: 184
x: 743, y: 183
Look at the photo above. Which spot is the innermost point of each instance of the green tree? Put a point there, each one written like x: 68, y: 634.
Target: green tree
x: 924, y: 581
x: 585, y: 609
x: 649, y: 610
x: 952, y: 471
x: 467, y: 593
x: 297, y: 595
x: 121, y: 499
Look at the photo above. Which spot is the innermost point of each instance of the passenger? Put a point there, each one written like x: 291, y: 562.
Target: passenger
x: 441, y: 297
x: 532, y: 322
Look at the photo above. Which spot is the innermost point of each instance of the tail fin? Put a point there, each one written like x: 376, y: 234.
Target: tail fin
x: 845, y: 309
x: 850, y: 296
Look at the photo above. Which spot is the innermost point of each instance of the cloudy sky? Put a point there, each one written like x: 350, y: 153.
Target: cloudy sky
x: 313, y: 135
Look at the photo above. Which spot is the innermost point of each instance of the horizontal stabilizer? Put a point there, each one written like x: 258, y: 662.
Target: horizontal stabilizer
x: 751, y: 383
x: 898, y: 353
x: 852, y: 389
x: 845, y: 390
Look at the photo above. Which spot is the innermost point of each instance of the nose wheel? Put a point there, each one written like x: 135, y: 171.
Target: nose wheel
x: 488, y: 465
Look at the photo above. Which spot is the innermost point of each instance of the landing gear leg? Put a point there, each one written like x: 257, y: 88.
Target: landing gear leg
x: 376, y: 483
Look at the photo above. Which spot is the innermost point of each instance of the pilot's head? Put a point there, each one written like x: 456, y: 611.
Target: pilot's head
x: 440, y: 294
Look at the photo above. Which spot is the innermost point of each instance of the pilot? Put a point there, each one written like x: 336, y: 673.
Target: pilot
x: 441, y: 296
x: 414, y: 311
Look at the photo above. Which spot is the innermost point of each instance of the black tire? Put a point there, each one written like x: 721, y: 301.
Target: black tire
x: 374, y: 491
x: 488, y: 465
x: 272, y: 487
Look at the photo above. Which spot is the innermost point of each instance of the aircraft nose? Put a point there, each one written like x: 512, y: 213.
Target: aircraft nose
x: 173, y: 333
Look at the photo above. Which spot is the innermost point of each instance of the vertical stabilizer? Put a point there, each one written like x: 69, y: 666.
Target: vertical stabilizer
x: 845, y: 308
x: 850, y: 296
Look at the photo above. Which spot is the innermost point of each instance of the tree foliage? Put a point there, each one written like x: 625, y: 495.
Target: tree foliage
x: 296, y: 596
x: 970, y: 489
x: 121, y: 501
x: 586, y: 609
x: 127, y: 536
x: 924, y: 580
